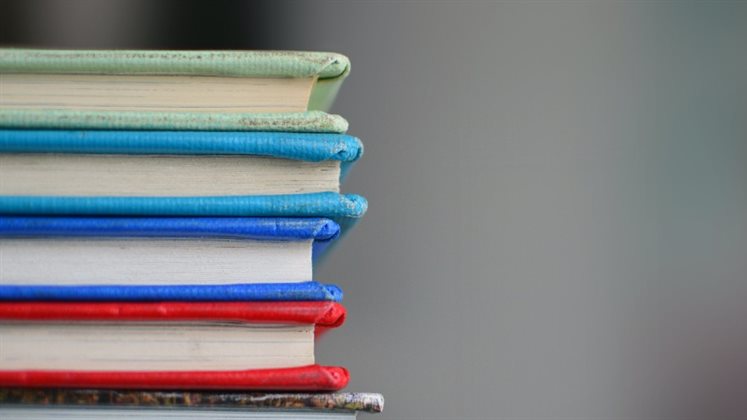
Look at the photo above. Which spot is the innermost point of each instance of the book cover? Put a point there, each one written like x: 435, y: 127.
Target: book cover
x: 330, y: 69
x: 324, y: 315
x: 321, y: 231
x: 309, y: 122
x: 345, y: 209
x: 312, y: 147
x: 266, y: 292
x: 366, y: 402
x: 306, y: 378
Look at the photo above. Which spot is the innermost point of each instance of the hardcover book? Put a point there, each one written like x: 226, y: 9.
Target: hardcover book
x: 172, y: 163
x: 24, y: 403
x: 167, y: 345
x: 185, y: 173
x: 182, y: 90
x: 124, y: 258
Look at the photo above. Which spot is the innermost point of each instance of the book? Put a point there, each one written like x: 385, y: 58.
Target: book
x: 95, y: 403
x: 167, y: 345
x: 172, y: 163
x: 127, y: 251
x: 203, y: 90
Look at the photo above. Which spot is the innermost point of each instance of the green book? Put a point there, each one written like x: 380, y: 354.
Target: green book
x: 171, y: 90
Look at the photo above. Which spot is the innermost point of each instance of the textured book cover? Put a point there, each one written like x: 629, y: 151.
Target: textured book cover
x: 329, y: 69
x: 306, y: 378
x: 324, y: 315
x: 366, y: 402
x: 320, y: 231
x: 309, y: 122
x: 345, y: 209
x: 265, y: 292
x: 311, y: 147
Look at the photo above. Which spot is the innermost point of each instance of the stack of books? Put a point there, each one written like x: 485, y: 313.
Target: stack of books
x: 160, y: 216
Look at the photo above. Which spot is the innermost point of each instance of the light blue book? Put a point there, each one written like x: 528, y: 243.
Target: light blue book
x: 178, y: 173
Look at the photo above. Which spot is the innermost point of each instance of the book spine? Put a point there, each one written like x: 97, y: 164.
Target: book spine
x: 308, y: 122
x: 305, y: 291
x: 249, y: 228
x: 312, y: 147
x: 325, y: 314
x: 325, y: 204
x: 306, y: 378
x: 84, y: 398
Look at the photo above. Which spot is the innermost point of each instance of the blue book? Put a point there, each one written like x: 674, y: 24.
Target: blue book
x: 154, y: 259
x: 178, y: 173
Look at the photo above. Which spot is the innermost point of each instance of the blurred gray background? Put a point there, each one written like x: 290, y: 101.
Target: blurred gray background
x: 558, y: 193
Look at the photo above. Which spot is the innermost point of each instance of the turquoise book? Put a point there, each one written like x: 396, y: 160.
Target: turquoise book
x: 178, y: 173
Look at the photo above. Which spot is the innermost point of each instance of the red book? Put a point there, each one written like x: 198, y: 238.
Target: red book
x: 169, y: 345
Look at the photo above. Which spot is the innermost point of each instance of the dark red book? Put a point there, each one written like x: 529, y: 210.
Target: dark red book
x: 170, y: 345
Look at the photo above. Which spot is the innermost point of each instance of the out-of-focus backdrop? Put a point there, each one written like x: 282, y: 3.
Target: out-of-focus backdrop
x: 558, y: 193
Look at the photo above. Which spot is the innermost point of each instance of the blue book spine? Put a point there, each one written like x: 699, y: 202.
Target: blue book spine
x: 312, y: 147
x: 345, y: 209
x: 306, y: 291
x: 324, y: 204
x: 257, y: 228
x: 321, y: 231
